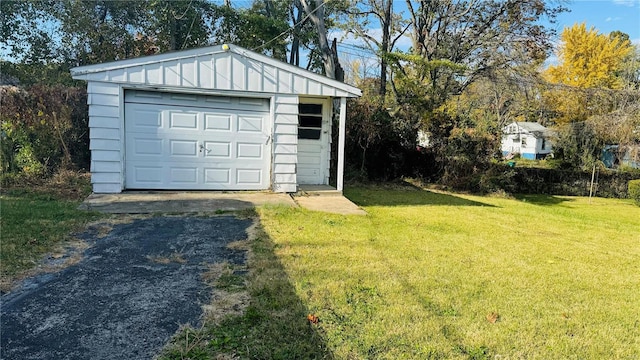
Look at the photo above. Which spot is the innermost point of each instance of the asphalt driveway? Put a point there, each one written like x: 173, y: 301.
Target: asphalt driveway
x: 128, y: 295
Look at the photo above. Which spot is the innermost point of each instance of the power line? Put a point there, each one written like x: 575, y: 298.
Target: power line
x: 291, y: 28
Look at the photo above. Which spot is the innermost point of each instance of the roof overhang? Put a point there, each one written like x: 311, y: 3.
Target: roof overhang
x: 238, y: 69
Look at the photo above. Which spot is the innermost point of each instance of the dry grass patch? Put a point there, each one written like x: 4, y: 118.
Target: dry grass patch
x: 258, y: 318
x: 173, y: 258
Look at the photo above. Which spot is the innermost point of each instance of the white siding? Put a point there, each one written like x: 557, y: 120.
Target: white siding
x: 285, y: 143
x: 105, y: 137
x: 215, y: 69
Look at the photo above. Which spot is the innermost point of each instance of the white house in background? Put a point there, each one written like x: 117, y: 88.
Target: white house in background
x: 214, y: 118
x: 530, y: 140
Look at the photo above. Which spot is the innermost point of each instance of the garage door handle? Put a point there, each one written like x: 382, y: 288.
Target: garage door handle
x: 203, y: 148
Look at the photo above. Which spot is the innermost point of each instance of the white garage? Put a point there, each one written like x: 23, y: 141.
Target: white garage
x: 216, y: 118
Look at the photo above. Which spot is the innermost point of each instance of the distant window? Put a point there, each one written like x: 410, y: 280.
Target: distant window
x: 523, y: 142
x: 309, y: 121
x: 544, y: 144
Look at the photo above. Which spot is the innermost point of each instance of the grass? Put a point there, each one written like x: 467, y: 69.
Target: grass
x: 426, y: 275
x: 34, y: 222
x: 433, y: 275
x: 272, y: 323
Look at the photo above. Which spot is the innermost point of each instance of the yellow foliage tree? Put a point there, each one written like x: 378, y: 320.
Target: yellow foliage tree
x: 589, y: 59
x: 589, y: 62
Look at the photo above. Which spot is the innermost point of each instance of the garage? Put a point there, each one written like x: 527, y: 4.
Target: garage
x: 196, y: 142
x: 217, y: 118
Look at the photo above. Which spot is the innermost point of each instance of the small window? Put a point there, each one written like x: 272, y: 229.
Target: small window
x: 524, y: 142
x: 309, y: 121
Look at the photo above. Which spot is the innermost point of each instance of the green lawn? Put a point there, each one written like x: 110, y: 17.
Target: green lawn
x: 424, y: 275
x: 32, y: 223
x: 434, y: 275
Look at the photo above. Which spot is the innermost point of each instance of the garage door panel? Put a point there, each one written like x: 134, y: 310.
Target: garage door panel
x: 148, y: 174
x: 196, y: 147
x: 249, y: 176
x: 183, y: 121
x: 183, y: 175
x: 217, y: 122
x: 145, y: 120
x: 250, y: 124
x: 183, y: 148
x: 249, y: 151
x: 146, y: 146
x: 217, y: 176
x: 218, y: 149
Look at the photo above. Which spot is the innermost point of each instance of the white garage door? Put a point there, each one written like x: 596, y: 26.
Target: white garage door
x: 194, y: 142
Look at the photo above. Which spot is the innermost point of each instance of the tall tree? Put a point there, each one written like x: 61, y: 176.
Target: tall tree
x: 368, y: 17
x: 98, y: 30
x: 24, y: 36
x: 456, y: 42
x: 178, y: 24
x: 590, y: 62
x: 589, y: 59
x: 316, y: 13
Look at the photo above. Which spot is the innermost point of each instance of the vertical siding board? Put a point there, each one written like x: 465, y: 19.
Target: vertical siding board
x: 222, y: 73
x: 269, y: 75
x: 285, y: 80
x: 155, y: 75
x: 171, y: 73
x: 314, y: 88
x: 254, y: 76
x: 206, y: 77
x: 239, y: 74
x: 116, y: 75
x: 134, y: 75
x: 188, y: 78
x: 299, y: 85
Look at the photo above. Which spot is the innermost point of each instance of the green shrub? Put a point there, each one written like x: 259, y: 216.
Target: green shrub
x: 634, y: 190
x: 43, y: 129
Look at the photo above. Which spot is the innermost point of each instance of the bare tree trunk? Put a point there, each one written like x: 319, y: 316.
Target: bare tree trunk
x: 386, y: 37
x: 294, y: 58
x: 316, y: 15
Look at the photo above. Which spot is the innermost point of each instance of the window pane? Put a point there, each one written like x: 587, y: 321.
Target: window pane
x: 310, y: 109
x: 309, y: 121
x: 312, y: 134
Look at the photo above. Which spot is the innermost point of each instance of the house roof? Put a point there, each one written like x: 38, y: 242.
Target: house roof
x: 526, y: 127
x: 220, y: 67
x: 531, y: 126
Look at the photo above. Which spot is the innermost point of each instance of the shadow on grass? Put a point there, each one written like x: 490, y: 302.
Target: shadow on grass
x: 542, y: 200
x: 274, y: 325
x: 406, y: 196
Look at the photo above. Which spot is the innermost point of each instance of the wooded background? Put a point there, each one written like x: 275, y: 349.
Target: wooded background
x: 473, y: 66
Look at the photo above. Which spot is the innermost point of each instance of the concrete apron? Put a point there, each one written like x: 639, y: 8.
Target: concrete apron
x: 144, y: 202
